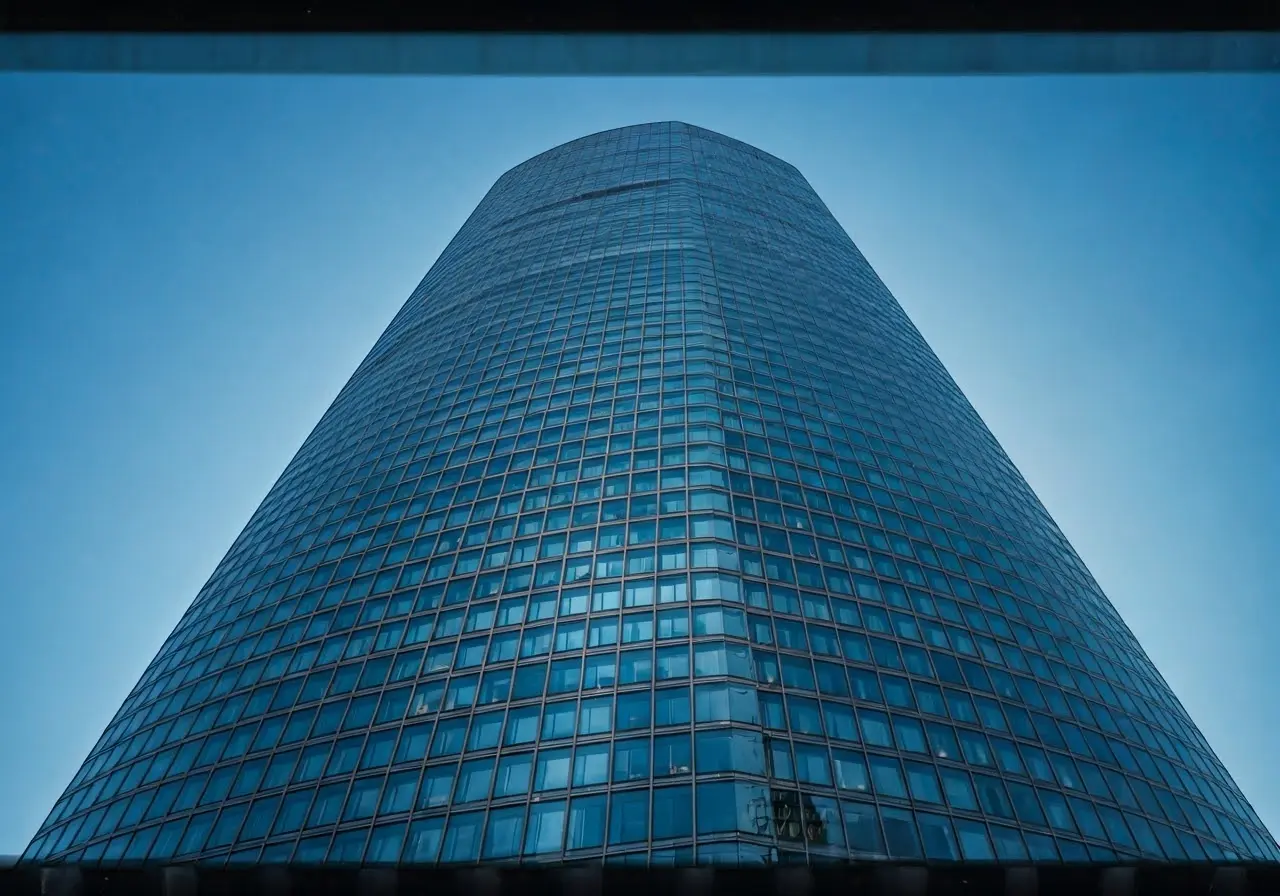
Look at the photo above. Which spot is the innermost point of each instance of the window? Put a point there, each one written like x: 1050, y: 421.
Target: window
x: 838, y: 719
x: 591, y: 765
x: 486, y: 731
x: 413, y: 743
x: 781, y: 763
x: 449, y: 737
x: 377, y: 750
x: 633, y: 711
x: 875, y: 728
x: 559, y: 720
x: 327, y: 806
x: 672, y: 812
x: 261, y: 814
x: 923, y: 783
x: 462, y: 839
x: 595, y: 716
x: 545, y: 828
x: 973, y: 841
x: 586, y: 822
x: 631, y: 760
x: 886, y: 776
x: 811, y: 765
x: 938, y: 838
x: 437, y: 786
x: 991, y: 794
x: 728, y: 806
x: 505, y: 832
x: 726, y: 703
x: 603, y: 632
x: 514, y: 775
x: 553, y: 770
x: 1055, y: 807
x: 862, y: 827
x: 629, y: 817
x: 1008, y: 844
x: 362, y: 802
x: 635, y: 666
x: 600, y: 671
x: 958, y: 789
x: 909, y: 735
x: 729, y: 750
x: 197, y: 831
x: 399, y: 792
x: 672, y: 706
x: 228, y: 825
x: 423, y: 841
x: 864, y: 685
x: 804, y: 716
x: 900, y: 835
x: 672, y: 755
x: 474, y: 780
x: 672, y: 662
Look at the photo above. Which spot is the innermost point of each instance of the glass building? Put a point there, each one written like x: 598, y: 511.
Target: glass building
x: 651, y: 530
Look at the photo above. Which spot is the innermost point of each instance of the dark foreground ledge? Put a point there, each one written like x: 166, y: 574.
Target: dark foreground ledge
x: 844, y: 880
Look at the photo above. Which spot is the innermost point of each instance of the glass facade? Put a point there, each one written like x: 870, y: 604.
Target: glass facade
x: 651, y: 530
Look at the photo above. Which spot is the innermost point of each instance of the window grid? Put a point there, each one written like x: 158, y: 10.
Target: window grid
x: 896, y: 651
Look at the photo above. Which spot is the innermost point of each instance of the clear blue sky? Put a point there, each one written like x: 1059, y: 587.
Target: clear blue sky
x: 191, y: 267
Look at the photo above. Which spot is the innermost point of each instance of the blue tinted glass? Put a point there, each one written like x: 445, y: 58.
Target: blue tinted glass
x: 649, y: 495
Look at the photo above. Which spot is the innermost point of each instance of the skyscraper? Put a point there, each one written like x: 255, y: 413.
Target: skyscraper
x: 651, y: 519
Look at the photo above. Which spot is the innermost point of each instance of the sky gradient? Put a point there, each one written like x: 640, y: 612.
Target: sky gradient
x: 191, y: 268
